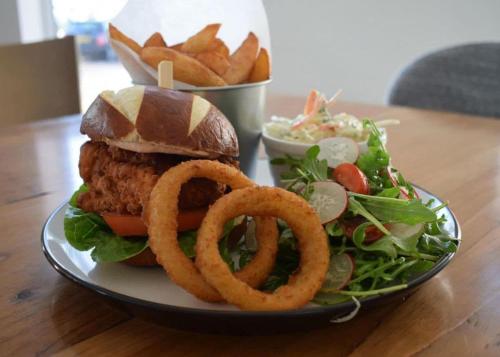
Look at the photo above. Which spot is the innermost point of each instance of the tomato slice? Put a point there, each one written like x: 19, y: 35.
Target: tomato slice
x: 128, y: 225
x: 372, y: 233
x: 352, y: 178
x: 190, y: 219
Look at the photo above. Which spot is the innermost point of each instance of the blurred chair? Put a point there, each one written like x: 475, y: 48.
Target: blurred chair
x: 463, y: 79
x: 38, y: 81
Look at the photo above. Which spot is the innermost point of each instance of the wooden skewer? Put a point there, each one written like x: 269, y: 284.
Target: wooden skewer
x: 166, y: 74
x: 332, y: 99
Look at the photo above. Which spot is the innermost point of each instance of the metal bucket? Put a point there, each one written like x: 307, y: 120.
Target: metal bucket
x: 244, y: 105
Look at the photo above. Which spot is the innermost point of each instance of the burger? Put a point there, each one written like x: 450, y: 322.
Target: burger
x: 136, y: 134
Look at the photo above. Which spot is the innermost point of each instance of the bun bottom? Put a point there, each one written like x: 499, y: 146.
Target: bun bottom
x: 144, y: 259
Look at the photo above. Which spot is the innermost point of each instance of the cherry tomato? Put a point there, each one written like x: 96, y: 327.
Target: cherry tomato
x: 352, y: 178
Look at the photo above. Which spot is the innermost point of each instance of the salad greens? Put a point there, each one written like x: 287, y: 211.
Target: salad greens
x: 287, y: 259
x: 187, y: 242
x: 411, y: 238
x: 395, y: 210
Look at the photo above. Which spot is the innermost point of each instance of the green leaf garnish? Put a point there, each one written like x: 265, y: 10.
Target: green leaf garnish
x: 88, y: 231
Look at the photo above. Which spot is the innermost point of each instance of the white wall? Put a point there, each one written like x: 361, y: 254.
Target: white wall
x: 360, y: 45
x: 23, y: 21
x: 9, y: 24
x: 31, y: 20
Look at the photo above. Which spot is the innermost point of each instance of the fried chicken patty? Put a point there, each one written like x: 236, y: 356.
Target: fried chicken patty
x: 120, y: 181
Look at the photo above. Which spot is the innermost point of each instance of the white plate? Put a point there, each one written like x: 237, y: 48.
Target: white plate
x: 150, y: 287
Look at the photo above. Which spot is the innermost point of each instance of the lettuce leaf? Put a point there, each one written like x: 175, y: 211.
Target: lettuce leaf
x: 395, y: 210
x: 88, y: 231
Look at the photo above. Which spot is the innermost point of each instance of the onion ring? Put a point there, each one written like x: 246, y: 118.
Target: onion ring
x: 162, y: 228
x: 265, y: 201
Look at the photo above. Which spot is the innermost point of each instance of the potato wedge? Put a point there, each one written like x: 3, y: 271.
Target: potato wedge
x: 186, y: 69
x: 177, y: 47
x: 214, y: 60
x: 219, y: 46
x: 201, y: 41
x: 155, y: 40
x: 117, y: 35
x: 262, y: 68
x: 242, y: 60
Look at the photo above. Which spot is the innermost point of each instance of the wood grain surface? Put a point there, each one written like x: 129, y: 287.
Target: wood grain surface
x: 457, y: 313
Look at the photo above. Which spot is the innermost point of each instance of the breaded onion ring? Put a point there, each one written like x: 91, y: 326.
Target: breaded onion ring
x: 161, y: 216
x: 305, y: 224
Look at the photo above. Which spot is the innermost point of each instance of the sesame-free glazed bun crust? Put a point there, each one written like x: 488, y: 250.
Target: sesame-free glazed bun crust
x: 157, y: 120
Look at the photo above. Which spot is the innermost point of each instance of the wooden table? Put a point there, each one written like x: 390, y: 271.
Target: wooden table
x: 454, y: 156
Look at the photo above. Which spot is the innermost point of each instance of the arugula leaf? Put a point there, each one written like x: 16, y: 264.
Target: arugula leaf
x: 375, y: 160
x: 316, y: 168
x: 384, y: 244
x: 371, y: 163
x: 303, y: 171
x: 357, y: 208
x: 287, y: 260
x: 421, y: 266
x: 407, y: 244
x: 387, y: 244
x: 437, y: 245
x: 396, y: 210
x: 187, y: 243
x: 228, y: 250
x: 245, y: 257
x: 225, y: 253
x: 403, y: 183
x: 392, y: 192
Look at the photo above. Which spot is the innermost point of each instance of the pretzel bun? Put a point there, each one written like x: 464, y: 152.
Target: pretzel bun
x: 150, y: 119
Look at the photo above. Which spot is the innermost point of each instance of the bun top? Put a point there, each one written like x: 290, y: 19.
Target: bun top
x: 157, y: 120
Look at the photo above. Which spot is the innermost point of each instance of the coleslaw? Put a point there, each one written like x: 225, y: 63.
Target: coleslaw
x: 317, y: 123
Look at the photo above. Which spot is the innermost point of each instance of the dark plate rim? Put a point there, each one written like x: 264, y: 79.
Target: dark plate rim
x: 317, y: 310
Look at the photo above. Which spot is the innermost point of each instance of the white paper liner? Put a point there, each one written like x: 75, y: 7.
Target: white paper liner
x: 177, y: 20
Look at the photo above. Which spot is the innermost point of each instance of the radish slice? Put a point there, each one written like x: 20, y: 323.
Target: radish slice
x: 329, y: 199
x: 338, y: 150
x: 406, y: 231
x: 339, y: 272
